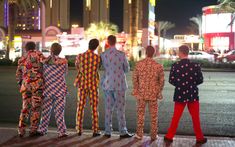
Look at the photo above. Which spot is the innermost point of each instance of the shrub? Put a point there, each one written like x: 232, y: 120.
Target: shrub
x: 15, y: 63
x: 5, y: 62
x: 132, y: 63
x: 71, y: 60
x: 166, y: 63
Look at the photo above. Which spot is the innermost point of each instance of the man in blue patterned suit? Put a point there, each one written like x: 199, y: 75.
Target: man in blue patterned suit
x: 114, y: 85
x: 185, y: 76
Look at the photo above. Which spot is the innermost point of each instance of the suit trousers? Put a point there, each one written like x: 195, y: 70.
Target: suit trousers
x: 153, y: 110
x: 193, y: 108
x: 94, y: 98
x: 31, y: 103
x: 58, y: 103
x: 115, y: 99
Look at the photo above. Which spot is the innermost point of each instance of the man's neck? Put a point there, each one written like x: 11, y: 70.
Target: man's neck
x: 113, y: 46
x: 186, y: 57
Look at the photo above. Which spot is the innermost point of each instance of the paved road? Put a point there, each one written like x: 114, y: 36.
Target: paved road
x: 217, y: 96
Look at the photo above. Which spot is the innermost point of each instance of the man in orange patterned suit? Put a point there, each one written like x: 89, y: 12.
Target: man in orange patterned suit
x: 87, y: 82
x: 148, y: 82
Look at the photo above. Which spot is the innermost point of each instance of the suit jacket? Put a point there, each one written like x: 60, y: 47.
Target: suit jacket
x: 29, y: 71
x: 148, y: 80
x: 54, y: 71
x: 115, y: 66
x: 87, y: 65
x: 185, y: 76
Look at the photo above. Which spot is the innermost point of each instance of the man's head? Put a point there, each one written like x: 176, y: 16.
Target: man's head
x: 93, y: 44
x: 112, y: 40
x: 56, y: 49
x: 30, y: 46
x: 183, y: 51
x: 150, y: 51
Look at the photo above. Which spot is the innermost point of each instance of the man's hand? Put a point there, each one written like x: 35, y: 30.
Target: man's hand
x: 160, y: 97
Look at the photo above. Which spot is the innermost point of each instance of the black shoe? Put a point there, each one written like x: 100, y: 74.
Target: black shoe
x: 168, y: 141
x: 63, y: 136
x: 127, y: 135
x: 21, y: 135
x: 200, y: 142
x: 79, y: 133
x: 107, y: 135
x: 35, y: 134
x: 96, y: 134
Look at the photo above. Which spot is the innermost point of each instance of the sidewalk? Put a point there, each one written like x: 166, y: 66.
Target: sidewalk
x: 8, y: 138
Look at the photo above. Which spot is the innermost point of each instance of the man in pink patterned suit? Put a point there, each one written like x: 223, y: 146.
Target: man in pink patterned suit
x: 148, y: 82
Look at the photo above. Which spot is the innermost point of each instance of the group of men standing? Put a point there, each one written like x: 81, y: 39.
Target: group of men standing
x: 148, y: 83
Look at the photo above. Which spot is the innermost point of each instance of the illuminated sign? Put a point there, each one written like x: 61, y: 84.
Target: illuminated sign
x: 152, y: 2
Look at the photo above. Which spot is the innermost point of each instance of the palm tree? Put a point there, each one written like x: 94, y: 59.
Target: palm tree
x: 229, y: 6
x: 163, y: 26
x: 198, y: 21
x: 134, y: 25
x: 101, y: 31
x: 15, y: 5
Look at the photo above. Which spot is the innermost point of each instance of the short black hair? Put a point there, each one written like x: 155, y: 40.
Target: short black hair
x: 112, y: 40
x: 184, y: 49
x: 56, y: 49
x: 30, y: 46
x: 93, y: 44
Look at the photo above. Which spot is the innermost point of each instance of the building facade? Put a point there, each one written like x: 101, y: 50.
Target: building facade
x: 217, y: 29
x: 139, y: 15
x: 95, y: 11
x: 58, y: 13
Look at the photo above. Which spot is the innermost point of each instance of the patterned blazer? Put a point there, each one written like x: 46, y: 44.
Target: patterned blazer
x: 29, y: 71
x: 148, y: 80
x: 54, y: 71
x: 185, y: 76
x: 87, y: 65
x: 115, y: 65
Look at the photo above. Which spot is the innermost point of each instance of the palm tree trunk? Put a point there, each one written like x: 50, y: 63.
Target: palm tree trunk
x: 159, y: 36
x: 11, y: 29
x: 134, y: 24
x: 43, y: 22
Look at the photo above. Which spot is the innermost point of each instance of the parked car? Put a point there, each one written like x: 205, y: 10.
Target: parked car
x: 2, y: 54
x: 201, y: 55
x: 228, y: 57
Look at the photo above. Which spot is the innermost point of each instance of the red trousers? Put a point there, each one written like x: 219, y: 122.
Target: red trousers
x: 193, y: 108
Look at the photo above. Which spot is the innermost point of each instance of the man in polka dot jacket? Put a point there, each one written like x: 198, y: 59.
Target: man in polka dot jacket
x: 185, y: 76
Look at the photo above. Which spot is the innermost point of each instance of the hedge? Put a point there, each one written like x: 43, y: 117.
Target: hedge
x: 166, y: 63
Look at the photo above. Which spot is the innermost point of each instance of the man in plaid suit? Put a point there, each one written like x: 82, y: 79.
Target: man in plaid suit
x: 87, y: 82
x: 55, y: 90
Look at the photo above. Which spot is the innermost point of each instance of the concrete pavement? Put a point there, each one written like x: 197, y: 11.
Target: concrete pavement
x: 9, y: 138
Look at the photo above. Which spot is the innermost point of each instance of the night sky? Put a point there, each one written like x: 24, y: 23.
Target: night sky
x: 175, y: 11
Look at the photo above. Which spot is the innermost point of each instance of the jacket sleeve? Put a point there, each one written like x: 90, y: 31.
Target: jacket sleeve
x: 172, y: 76
x: 126, y: 66
x: 135, y: 81
x: 199, y: 76
x: 19, y: 73
x: 77, y: 61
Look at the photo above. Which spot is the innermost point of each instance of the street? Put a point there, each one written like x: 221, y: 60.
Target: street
x: 217, y: 109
